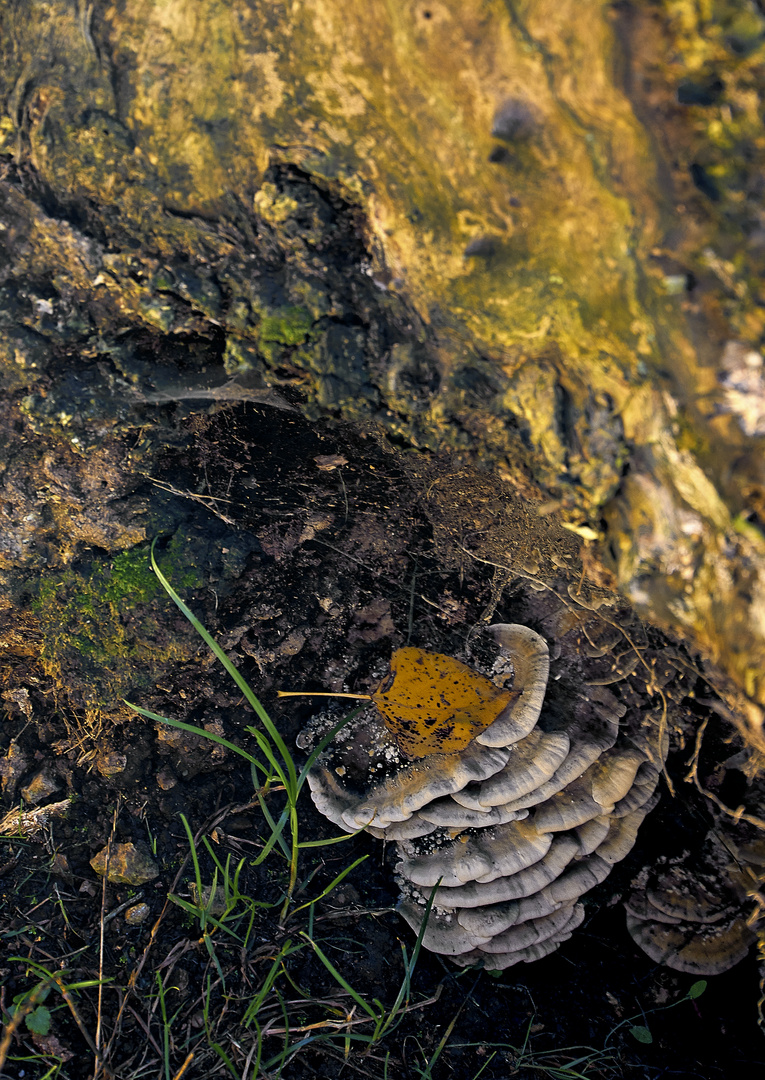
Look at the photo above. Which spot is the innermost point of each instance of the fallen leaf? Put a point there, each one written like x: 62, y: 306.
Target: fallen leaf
x: 436, y: 704
x: 49, y: 1044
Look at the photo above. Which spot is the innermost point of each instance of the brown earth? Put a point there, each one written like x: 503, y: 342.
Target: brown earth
x: 324, y: 562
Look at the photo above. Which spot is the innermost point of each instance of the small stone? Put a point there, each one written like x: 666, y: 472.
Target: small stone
x: 39, y: 788
x: 166, y: 779
x: 292, y: 643
x: 137, y: 914
x: 346, y: 896
x: 111, y: 763
x: 170, y: 736
x: 213, y: 905
x: 60, y: 866
x: 18, y: 700
x: 127, y: 865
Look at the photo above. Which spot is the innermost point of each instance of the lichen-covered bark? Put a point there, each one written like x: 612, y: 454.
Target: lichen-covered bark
x: 187, y: 181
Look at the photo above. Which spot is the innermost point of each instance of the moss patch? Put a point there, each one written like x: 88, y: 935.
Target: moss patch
x: 104, y: 624
x: 287, y: 326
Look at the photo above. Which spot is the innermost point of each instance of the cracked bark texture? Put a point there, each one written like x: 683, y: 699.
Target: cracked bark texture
x: 487, y: 227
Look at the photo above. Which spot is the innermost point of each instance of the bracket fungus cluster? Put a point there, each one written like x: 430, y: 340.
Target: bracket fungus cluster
x: 698, y: 913
x: 509, y: 831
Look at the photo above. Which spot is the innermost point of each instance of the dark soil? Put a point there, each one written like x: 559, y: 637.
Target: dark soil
x: 309, y: 576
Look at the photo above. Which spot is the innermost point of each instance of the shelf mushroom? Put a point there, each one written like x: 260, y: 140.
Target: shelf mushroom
x: 508, y: 832
x: 698, y: 912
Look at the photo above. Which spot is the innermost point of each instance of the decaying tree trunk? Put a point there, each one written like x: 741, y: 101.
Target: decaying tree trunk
x: 529, y: 234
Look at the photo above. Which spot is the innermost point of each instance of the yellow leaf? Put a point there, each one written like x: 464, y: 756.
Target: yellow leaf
x: 435, y: 704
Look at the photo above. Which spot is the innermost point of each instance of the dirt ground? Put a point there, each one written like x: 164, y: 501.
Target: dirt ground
x: 310, y: 551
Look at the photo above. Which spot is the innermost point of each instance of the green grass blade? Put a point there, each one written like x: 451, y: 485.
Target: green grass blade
x: 427, y: 1074
x: 214, y: 957
x: 195, y: 861
x: 286, y: 1018
x: 286, y: 779
x: 224, y: 871
x: 585, y: 1058
x: 194, y: 730
x: 165, y: 1026
x: 486, y: 1064
x: 402, y: 998
x: 254, y: 1007
x: 332, y: 885
x: 328, y: 842
x: 239, y: 679
x: 277, y: 830
x: 225, y: 1059
x: 339, y: 978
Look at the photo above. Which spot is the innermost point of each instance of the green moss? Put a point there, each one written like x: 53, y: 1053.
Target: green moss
x: 287, y: 326
x: 131, y: 578
x: 102, y: 624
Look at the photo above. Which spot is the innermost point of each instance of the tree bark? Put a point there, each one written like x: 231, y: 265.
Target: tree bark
x: 523, y: 233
